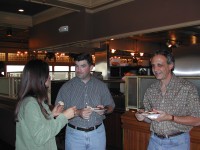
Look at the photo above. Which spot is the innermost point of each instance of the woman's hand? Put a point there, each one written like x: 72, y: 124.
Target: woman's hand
x: 70, y: 112
x: 85, y: 113
x: 57, y: 110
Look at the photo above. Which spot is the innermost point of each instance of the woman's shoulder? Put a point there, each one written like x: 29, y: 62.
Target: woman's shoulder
x: 28, y: 104
x: 29, y: 101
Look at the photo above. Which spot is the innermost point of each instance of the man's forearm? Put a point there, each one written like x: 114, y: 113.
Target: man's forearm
x: 187, y: 120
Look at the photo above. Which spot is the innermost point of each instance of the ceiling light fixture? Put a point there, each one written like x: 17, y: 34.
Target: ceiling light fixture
x: 169, y: 45
x: 141, y: 54
x: 113, y: 50
x: 172, y: 43
x: 194, y: 39
x: 21, y: 10
x: 9, y: 32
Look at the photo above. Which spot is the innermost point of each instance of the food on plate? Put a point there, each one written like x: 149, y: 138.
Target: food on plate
x: 153, y: 116
x: 150, y: 114
x: 97, y: 109
x: 89, y: 107
x: 61, y: 103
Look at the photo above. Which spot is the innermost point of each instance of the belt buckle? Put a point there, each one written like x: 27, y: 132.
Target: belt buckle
x: 92, y: 128
x: 95, y: 127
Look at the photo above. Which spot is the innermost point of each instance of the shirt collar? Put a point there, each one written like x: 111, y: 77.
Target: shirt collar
x: 171, y: 83
x: 79, y: 81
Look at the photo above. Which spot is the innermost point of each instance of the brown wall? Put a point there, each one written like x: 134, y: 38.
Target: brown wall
x: 135, y: 16
x: 47, y: 34
x: 130, y: 44
x: 143, y: 14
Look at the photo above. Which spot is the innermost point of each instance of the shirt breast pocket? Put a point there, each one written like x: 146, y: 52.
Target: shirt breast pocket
x: 96, y: 99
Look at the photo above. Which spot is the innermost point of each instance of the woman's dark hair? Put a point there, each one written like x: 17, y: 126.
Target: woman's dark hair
x: 84, y: 56
x: 35, y: 74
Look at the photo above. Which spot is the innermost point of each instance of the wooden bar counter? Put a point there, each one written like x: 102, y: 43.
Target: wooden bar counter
x: 136, y: 134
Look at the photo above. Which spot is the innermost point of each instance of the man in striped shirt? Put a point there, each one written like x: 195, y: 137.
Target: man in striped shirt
x: 93, y: 100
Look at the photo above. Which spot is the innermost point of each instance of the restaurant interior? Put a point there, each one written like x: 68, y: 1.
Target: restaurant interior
x: 121, y: 35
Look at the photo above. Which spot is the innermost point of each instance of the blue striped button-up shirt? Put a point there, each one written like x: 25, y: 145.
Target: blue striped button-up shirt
x: 93, y: 93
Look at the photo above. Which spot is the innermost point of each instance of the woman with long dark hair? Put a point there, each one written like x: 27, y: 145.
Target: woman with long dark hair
x: 36, y: 124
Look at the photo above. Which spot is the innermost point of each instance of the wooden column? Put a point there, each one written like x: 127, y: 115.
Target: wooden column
x: 135, y: 134
x: 195, y: 138
x: 114, y: 132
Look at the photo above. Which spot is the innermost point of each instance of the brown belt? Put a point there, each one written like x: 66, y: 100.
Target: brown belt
x: 168, y: 136
x: 84, y: 129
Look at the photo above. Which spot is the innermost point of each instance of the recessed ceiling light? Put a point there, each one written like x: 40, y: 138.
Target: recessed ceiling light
x: 21, y: 10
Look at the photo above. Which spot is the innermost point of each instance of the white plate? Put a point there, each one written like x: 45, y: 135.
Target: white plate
x: 150, y: 115
x: 98, y: 110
